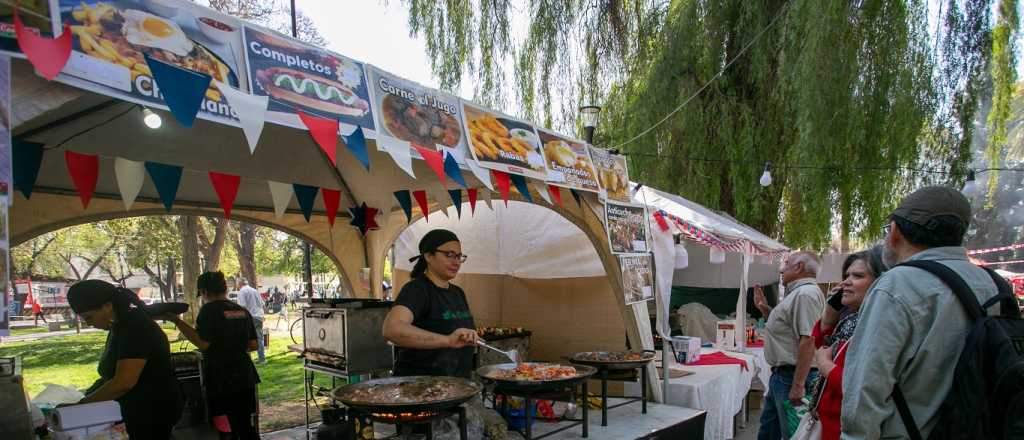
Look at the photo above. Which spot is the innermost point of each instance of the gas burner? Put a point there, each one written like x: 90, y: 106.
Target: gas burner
x: 406, y: 417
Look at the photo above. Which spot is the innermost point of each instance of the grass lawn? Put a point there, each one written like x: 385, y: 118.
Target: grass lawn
x: 21, y: 331
x: 71, y: 360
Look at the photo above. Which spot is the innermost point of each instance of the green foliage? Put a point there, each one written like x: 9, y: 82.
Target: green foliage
x: 1004, y: 75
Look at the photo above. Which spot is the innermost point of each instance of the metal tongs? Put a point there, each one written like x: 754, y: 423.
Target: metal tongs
x: 512, y: 354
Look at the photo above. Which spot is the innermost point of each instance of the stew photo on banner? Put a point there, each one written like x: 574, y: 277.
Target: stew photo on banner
x: 637, y: 278
x: 111, y: 39
x: 299, y: 76
x: 627, y: 228
x: 569, y: 162
x: 612, y: 174
x: 501, y: 143
x: 32, y: 13
x: 408, y: 111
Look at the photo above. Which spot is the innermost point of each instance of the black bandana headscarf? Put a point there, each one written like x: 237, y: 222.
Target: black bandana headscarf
x: 429, y: 243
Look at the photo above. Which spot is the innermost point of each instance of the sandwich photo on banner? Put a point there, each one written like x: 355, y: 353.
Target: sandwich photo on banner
x: 569, y: 162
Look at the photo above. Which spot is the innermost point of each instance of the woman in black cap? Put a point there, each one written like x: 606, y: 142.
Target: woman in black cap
x: 135, y: 368
x: 430, y: 322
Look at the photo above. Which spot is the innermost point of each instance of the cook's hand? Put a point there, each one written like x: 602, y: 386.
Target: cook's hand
x: 462, y: 337
x: 796, y: 394
x: 823, y: 359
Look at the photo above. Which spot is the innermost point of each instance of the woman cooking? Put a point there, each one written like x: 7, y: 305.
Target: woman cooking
x: 430, y: 322
x: 135, y: 368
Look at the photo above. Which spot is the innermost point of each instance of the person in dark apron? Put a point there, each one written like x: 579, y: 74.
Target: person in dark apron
x: 430, y: 322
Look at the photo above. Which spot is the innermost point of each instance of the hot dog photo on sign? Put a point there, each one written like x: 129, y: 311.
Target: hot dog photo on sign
x: 301, y: 77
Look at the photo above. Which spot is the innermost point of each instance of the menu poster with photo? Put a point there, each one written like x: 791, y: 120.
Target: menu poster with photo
x: 501, y: 143
x: 411, y: 112
x: 5, y: 186
x: 300, y: 76
x: 110, y: 40
x: 612, y: 174
x: 31, y: 13
x: 637, y: 278
x: 569, y: 162
x: 627, y: 228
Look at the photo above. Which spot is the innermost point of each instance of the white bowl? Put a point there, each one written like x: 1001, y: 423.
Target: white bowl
x: 216, y: 34
x: 163, y: 8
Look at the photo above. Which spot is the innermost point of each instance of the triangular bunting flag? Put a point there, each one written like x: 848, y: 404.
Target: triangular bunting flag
x: 226, y: 186
x: 456, y: 196
x: 166, y: 179
x: 502, y: 179
x: 405, y: 200
x: 332, y: 198
x: 520, y: 183
x: 400, y: 151
x: 26, y: 157
x: 576, y: 195
x: 662, y: 224
x: 542, y: 190
x: 480, y: 173
x: 421, y: 200
x: 556, y: 194
x: 48, y: 56
x: 472, y: 200
x: 434, y: 161
x: 440, y: 195
x: 130, y: 175
x: 324, y: 131
x: 356, y: 144
x: 364, y: 218
x: 306, y: 195
x: 371, y: 218
x: 251, y: 111
x: 183, y: 89
x: 488, y: 195
x: 281, y: 193
x: 451, y: 169
x: 84, y: 170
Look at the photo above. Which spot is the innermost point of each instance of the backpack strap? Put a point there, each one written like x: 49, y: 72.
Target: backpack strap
x: 1009, y: 307
x: 959, y: 287
x: 905, y: 415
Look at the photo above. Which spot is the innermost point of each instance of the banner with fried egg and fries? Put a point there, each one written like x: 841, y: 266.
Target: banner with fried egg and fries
x: 501, y: 143
x: 111, y: 38
x: 569, y: 162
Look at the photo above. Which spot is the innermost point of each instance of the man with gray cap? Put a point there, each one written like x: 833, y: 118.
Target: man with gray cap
x: 912, y: 327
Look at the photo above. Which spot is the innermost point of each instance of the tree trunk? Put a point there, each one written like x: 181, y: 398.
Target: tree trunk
x: 188, y: 225
x: 213, y: 252
x: 245, y: 247
x: 165, y: 290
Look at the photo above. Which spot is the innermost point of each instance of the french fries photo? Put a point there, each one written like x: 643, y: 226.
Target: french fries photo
x: 490, y: 138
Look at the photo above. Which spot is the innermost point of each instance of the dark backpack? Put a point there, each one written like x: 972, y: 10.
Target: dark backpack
x: 987, y: 397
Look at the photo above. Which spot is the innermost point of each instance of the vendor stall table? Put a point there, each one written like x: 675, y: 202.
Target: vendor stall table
x: 720, y: 390
x: 662, y: 422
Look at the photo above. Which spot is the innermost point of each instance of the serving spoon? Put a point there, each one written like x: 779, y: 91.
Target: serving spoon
x: 512, y: 354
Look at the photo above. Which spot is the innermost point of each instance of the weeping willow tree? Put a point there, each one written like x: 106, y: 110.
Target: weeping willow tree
x: 853, y: 103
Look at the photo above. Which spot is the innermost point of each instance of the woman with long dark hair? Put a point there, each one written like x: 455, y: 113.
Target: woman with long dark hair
x: 430, y: 322
x: 135, y: 368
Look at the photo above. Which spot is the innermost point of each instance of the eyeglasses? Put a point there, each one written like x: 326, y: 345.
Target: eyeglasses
x: 454, y: 256
x: 886, y: 229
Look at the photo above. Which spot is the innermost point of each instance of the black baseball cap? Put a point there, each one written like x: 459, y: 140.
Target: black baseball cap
x: 927, y: 203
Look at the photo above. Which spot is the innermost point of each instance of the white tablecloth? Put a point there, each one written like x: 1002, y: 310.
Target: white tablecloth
x: 717, y: 389
x: 764, y: 371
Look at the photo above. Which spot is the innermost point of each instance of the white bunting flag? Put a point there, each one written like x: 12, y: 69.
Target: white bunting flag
x: 444, y: 201
x: 399, y: 150
x: 281, y: 193
x: 481, y: 174
x: 130, y: 175
x: 487, y: 195
x: 542, y: 189
x: 251, y: 111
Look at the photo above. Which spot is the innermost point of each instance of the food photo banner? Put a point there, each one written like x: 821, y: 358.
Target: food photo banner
x: 300, y: 77
x: 501, y: 143
x: 627, y: 228
x: 612, y: 174
x: 569, y: 162
x: 32, y: 13
x: 111, y: 40
x: 416, y: 114
x: 637, y: 278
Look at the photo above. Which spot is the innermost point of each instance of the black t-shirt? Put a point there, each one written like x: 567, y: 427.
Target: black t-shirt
x: 156, y: 398
x: 440, y: 311
x: 228, y: 328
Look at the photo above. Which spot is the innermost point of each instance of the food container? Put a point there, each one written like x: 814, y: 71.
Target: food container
x: 215, y: 29
x: 687, y: 349
x: 725, y: 335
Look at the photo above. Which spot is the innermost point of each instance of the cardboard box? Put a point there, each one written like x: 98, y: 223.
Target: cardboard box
x: 726, y: 335
x: 687, y: 349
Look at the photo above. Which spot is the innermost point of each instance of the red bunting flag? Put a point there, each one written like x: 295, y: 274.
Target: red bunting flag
x: 226, y: 186
x: 662, y: 224
x: 556, y: 194
x: 371, y: 218
x: 324, y: 131
x: 472, y: 200
x: 332, y: 198
x: 47, y: 55
x: 84, y: 170
x: 504, y: 182
x: 435, y: 160
x: 421, y: 199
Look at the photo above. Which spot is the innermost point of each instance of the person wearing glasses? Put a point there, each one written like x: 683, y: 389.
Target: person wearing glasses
x: 430, y: 323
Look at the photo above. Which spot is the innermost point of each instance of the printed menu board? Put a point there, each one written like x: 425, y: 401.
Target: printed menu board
x: 627, y: 228
x: 414, y: 113
x: 568, y: 162
x: 637, y: 278
x: 501, y: 143
x: 110, y: 40
x: 299, y: 76
x: 612, y: 174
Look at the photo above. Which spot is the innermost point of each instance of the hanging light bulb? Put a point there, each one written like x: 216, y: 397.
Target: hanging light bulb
x: 682, y: 256
x: 766, y: 177
x: 971, y: 186
x: 151, y: 119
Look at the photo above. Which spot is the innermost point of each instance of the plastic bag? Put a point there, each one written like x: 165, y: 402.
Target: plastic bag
x: 54, y: 395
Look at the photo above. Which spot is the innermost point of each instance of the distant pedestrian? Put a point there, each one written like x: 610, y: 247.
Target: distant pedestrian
x: 37, y: 313
x: 250, y: 298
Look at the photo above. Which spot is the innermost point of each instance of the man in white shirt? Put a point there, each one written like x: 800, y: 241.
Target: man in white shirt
x: 251, y: 300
